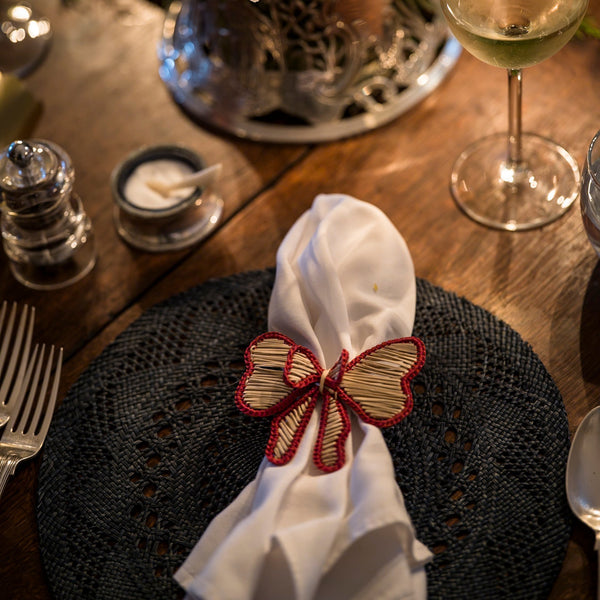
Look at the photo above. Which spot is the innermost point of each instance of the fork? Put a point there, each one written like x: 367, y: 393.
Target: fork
x: 9, y: 388
x: 32, y: 412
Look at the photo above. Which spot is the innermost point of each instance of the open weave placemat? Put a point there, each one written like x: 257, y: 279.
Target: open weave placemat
x: 148, y: 447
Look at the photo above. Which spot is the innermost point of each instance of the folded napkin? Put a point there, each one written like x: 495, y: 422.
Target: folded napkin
x: 344, y: 281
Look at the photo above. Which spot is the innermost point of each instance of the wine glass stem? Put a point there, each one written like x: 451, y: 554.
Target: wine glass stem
x: 515, y: 77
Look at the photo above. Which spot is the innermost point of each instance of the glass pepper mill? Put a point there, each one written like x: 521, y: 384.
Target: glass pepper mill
x: 46, y: 234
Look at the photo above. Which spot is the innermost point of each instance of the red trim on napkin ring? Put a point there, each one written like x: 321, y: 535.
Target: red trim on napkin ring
x: 285, y: 379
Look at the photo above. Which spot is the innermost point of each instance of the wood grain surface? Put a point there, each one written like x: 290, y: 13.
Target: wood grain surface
x: 102, y: 98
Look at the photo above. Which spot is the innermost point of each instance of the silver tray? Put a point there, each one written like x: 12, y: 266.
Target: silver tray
x: 243, y: 97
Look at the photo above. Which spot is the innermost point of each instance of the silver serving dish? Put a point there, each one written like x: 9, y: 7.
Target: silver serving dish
x: 303, y: 70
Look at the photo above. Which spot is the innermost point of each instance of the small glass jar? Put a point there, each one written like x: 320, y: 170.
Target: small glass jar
x: 151, y: 222
x: 46, y: 233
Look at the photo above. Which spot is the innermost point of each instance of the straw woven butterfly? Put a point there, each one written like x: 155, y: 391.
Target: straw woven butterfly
x: 285, y: 380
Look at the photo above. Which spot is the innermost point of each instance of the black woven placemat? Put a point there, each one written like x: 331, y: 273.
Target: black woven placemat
x: 148, y: 447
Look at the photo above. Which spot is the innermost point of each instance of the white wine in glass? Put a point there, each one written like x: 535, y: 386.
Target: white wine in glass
x: 520, y: 180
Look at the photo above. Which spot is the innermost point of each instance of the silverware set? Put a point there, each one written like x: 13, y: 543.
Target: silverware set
x: 29, y: 382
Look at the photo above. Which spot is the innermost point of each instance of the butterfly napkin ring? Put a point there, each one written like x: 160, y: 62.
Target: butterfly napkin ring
x: 285, y: 380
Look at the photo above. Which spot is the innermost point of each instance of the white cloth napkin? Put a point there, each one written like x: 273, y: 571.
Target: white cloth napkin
x: 344, y: 279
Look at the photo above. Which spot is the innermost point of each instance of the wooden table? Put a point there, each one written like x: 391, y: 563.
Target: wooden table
x: 103, y: 98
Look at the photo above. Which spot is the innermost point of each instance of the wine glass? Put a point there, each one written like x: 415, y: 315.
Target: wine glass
x: 24, y: 37
x: 522, y: 180
x: 590, y: 194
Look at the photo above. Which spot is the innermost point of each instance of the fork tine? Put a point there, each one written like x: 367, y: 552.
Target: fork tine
x: 28, y: 338
x: 40, y: 396
x: 8, y: 332
x: 28, y: 312
x: 43, y: 427
x: 20, y: 419
x: 2, y: 314
x: 16, y: 411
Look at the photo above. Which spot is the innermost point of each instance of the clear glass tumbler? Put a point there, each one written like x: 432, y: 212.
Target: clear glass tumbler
x: 590, y: 194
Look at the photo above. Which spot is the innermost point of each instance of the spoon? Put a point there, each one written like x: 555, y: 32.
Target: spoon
x: 192, y: 180
x: 583, y: 475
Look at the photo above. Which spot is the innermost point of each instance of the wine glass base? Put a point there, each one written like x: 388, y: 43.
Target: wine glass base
x: 536, y: 192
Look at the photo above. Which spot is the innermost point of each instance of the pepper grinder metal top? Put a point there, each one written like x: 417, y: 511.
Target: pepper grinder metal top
x: 46, y: 234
